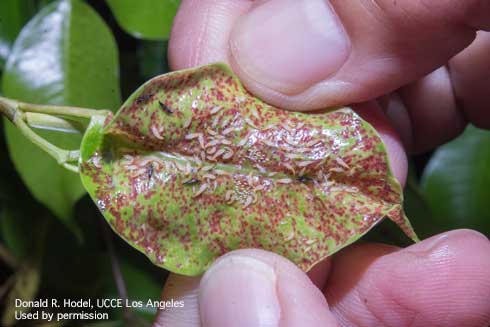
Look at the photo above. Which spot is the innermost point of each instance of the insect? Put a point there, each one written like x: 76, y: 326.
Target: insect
x: 192, y: 181
x: 149, y: 171
x: 143, y: 98
x: 304, y: 179
x: 165, y: 107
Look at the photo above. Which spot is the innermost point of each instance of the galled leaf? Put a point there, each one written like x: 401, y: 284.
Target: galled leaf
x: 193, y: 166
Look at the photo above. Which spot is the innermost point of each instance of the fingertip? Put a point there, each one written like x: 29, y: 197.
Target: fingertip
x: 444, y: 280
x: 201, y: 31
x: 315, y: 47
x: 239, y: 290
x: 448, y: 277
x: 259, y: 288
x: 319, y: 273
x: 183, y: 290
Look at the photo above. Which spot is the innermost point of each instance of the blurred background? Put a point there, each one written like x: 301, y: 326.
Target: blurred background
x: 95, y: 53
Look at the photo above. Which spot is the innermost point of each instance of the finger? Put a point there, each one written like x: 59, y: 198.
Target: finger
x: 247, y: 288
x: 308, y: 54
x: 201, y: 31
x: 470, y: 75
x: 186, y: 289
x: 259, y: 288
x: 442, y: 281
x: 436, y: 108
x: 180, y: 288
x: 189, y: 46
x: 332, y: 57
x: 396, y: 112
x: 426, y: 112
x: 319, y: 273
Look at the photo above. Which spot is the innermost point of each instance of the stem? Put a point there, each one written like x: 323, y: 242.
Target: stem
x: 61, y: 110
x: 60, y: 155
x: 23, y: 115
x: 7, y: 257
x: 8, y: 108
x: 116, y: 270
x: 6, y: 286
x: 52, y: 123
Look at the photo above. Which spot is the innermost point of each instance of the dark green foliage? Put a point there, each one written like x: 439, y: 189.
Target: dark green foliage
x: 36, y: 250
x: 456, y: 183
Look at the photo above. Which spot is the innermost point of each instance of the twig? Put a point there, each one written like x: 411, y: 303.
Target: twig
x: 7, y: 286
x: 116, y: 271
x: 7, y: 257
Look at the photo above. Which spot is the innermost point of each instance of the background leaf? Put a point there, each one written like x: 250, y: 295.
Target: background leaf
x: 146, y: 19
x: 17, y: 231
x: 417, y: 209
x: 64, y: 55
x: 456, y: 183
x: 13, y: 15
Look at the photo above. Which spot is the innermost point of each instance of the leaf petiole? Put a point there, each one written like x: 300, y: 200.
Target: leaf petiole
x: 53, y: 123
x: 26, y: 115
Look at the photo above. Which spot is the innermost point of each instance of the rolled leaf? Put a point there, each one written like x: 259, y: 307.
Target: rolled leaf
x: 193, y: 166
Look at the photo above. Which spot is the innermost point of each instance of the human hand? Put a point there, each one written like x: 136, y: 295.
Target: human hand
x: 303, y: 55
x: 442, y: 281
x: 408, y: 55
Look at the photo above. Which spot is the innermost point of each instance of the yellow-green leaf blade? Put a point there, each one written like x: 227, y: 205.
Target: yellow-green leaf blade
x: 193, y: 166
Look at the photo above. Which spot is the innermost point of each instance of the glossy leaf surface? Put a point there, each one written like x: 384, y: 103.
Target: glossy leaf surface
x: 13, y: 15
x: 193, y: 166
x: 145, y: 19
x: 64, y: 55
x: 456, y: 183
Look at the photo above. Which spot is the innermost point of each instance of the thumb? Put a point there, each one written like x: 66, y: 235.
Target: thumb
x: 259, y: 288
x: 249, y: 288
x: 308, y: 54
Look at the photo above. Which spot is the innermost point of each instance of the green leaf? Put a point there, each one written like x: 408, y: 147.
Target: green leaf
x: 145, y: 19
x: 193, y: 166
x: 456, y: 182
x: 65, y: 55
x: 417, y: 209
x: 13, y: 15
x: 17, y: 231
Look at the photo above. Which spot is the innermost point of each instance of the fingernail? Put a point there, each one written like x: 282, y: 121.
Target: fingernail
x: 289, y: 45
x: 239, y: 291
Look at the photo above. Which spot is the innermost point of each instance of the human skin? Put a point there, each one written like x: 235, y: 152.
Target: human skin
x: 419, y: 71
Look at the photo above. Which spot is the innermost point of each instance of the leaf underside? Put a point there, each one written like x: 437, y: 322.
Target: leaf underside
x: 193, y: 166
